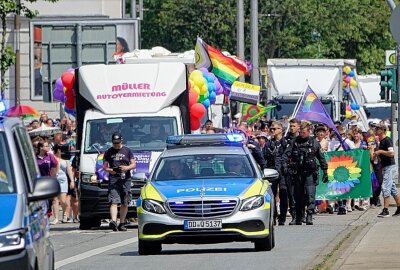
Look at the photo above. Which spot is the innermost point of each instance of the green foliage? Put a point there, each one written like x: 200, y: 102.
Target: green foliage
x: 352, y: 29
x: 7, y: 54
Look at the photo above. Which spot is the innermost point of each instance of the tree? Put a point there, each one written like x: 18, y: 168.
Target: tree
x: 175, y: 24
x: 352, y: 29
x: 7, y: 54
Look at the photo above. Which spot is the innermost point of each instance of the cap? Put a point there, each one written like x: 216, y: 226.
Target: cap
x: 380, y: 126
x: 116, y: 138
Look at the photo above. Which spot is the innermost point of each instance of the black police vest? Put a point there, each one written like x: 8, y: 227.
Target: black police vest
x: 303, y: 155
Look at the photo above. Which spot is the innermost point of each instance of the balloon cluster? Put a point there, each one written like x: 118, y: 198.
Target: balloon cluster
x: 354, y: 106
x: 64, y: 91
x: 348, y: 79
x: 348, y: 112
x: 203, y: 90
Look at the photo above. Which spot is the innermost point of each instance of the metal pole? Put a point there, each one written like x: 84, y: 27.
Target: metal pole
x: 391, y: 4
x: 17, y: 58
x: 255, y: 77
x: 240, y: 32
x: 133, y: 9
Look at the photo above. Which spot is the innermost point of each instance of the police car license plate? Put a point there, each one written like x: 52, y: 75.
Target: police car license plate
x: 202, y: 224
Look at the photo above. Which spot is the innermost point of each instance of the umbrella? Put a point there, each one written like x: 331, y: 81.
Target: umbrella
x: 23, y: 111
x: 44, y: 131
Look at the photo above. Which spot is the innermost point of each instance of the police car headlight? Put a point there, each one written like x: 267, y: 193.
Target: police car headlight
x: 252, y: 203
x: 153, y: 206
x: 12, y: 241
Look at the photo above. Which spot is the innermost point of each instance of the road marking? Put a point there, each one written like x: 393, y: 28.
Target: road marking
x: 94, y: 252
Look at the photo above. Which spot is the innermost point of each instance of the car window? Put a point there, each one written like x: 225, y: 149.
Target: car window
x: 203, y: 166
x: 29, y: 159
x: 7, y: 180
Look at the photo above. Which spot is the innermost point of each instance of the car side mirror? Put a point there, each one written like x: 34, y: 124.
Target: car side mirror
x: 139, y: 177
x: 270, y: 174
x: 45, y: 188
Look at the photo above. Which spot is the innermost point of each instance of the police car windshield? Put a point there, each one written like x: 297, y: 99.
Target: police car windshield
x: 6, y: 171
x: 205, y: 166
x: 138, y: 133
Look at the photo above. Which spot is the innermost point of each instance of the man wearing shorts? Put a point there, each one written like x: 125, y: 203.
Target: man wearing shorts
x: 118, y: 162
x: 386, y: 155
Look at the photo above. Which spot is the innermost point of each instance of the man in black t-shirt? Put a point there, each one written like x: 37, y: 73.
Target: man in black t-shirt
x: 118, y: 162
x: 385, y: 153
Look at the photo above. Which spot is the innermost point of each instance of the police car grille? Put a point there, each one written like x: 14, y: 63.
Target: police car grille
x: 202, y: 208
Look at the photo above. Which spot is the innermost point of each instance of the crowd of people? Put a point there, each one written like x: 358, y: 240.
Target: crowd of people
x: 273, y: 144
x: 48, y: 150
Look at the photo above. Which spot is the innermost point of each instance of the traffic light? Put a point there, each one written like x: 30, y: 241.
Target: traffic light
x: 389, y: 84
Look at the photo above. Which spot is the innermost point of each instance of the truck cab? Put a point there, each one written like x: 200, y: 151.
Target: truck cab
x: 289, y: 78
x: 145, y: 103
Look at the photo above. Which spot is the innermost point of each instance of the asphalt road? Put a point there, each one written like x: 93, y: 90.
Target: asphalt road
x: 296, y: 247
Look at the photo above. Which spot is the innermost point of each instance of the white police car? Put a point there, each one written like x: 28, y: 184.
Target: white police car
x: 24, y: 226
x: 206, y: 189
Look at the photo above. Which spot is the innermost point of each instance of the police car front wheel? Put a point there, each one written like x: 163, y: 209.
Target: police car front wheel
x: 267, y: 243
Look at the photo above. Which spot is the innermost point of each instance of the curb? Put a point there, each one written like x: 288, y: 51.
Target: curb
x: 336, y: 252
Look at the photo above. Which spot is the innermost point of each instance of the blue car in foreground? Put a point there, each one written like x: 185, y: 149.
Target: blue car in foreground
x: 206, y: 189
x: 24, y: 227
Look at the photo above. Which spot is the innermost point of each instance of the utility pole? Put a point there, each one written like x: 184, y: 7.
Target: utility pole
x: 396, y: 143
x: 17, y: 26
x: 255, y: 76
x: 240, y: 32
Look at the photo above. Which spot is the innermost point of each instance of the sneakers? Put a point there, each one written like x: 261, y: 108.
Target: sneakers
x: 397, y: 213
x: 122, y: 227
x: 54, y: 222
x: 113, y: 226
x: 384, y: 213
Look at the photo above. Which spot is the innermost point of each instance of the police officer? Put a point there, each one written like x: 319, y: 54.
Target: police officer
x: 273, y: 152
x: 299, y: 160
x: 294, y: 127
x: 118, y: 162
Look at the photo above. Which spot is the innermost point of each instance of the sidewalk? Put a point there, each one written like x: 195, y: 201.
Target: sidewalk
x: 378, y: 246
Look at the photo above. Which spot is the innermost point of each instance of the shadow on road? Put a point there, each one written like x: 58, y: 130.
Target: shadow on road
x: 194, y: 251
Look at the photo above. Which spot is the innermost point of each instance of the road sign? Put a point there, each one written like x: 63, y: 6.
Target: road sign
x: 395, y: 24
x: 390, y: 58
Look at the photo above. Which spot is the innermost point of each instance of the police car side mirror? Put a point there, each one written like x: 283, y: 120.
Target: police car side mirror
x: 46, y: 187
x: 139, y: 177
x: 270, y: 174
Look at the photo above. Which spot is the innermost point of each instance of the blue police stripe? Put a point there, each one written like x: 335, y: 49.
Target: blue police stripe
x: 7, y: 202
x: 212, y: 187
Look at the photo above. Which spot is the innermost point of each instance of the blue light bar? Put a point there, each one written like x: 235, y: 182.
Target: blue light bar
x: 206, y: 139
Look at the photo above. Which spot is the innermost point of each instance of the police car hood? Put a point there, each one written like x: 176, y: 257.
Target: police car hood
x: 206, y: 187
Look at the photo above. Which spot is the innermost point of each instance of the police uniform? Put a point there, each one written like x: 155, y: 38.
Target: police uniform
x: 288, y: 181
x: 299, y: 161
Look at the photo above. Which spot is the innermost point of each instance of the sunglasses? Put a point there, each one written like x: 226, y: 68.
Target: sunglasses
x: 273, y: 129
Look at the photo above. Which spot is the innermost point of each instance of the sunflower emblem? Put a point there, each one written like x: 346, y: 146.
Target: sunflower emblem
x: 343, y: 174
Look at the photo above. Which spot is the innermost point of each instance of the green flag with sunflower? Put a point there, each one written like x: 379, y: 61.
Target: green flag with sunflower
x: 349, y: 176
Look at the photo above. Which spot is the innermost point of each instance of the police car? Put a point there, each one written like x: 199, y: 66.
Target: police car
x: 206, y: 189
x: 24, y: 224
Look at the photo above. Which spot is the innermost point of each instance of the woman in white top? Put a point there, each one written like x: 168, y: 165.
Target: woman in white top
x: 63, y: 169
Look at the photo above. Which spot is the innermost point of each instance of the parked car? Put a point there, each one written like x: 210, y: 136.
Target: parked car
x: 24, y: 224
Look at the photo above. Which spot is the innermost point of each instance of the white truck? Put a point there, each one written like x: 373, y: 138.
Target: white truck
x: 375, y: 108
x: 288, y: 79
x: 145, y: 103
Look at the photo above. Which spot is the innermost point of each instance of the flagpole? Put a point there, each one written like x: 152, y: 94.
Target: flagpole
x: 296, y: 109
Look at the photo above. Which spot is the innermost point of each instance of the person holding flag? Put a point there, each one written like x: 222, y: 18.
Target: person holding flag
x: 299, y: 159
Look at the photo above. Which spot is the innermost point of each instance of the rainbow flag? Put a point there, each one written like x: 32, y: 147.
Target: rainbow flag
x: 312, y: 109
x: 226, y: 69
x: 251, y: 113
